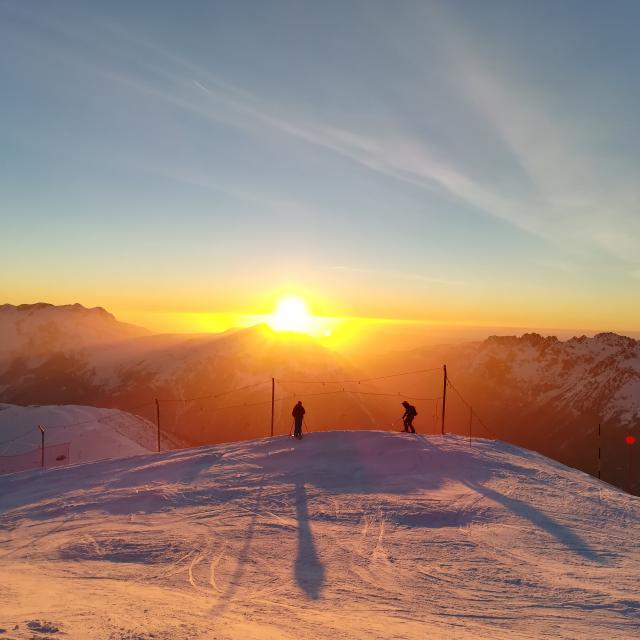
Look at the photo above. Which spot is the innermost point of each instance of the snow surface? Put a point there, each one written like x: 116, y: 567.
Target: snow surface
x: 341, y: 535
x: 93, y: 433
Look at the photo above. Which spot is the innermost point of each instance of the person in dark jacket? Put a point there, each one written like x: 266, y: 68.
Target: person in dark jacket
x: 407, y: 417
x: 298, y: 414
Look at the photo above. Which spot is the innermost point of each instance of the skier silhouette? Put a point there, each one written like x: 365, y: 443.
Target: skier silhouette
x: 298, y: 414
x: 407, y: 417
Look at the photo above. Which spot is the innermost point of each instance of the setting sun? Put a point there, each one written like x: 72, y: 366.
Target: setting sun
x: 291, y: 314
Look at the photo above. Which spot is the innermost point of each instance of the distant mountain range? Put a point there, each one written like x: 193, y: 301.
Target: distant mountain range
x: 538, y: 392
x: 546, y: 394
x: 73, y: 355
x: 42, y: 328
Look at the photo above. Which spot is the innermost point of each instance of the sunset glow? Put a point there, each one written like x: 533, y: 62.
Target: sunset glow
x: 291, y: 314
x: 245, y: 245
x: 462, y: 209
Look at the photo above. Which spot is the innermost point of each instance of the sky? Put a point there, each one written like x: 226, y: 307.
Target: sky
x: 472, y: 163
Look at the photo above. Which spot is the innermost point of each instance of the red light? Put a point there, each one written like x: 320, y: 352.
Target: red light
x: 630, y: 439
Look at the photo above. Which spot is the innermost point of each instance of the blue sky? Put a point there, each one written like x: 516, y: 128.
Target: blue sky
x: 453, y: 162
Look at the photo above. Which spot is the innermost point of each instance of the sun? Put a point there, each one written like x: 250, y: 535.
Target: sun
x: 291, y: 314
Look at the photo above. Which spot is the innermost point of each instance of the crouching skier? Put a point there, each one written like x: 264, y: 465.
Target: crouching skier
x: 407, y: 418
x: 298, y: 414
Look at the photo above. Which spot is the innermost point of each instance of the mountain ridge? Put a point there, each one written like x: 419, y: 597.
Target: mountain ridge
x: 539, y: 392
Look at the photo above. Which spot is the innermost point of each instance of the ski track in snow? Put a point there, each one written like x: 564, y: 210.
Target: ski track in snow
x: 342, y: 535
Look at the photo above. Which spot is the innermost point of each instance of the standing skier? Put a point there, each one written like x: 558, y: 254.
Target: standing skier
x: 407, y: 417
x: 298, y: 414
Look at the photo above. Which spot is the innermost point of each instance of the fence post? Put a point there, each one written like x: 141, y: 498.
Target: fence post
x: 158, y: 421
x: 273, y: 402
x: 444, y: 396
x: 42, y: 446
x: 629, y: 469
x: 599, y: 445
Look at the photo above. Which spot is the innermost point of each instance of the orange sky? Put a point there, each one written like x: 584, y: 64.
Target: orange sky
x: 217, y: 311
x: 469, y: 318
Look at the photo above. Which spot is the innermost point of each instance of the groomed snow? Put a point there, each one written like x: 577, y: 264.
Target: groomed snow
x: 341, y: 535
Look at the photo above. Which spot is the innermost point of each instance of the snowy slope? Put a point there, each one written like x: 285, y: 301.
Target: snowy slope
x: 342, y: 535
x: 93, y: 433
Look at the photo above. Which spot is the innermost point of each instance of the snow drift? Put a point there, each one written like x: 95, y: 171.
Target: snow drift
x: 340, y: 535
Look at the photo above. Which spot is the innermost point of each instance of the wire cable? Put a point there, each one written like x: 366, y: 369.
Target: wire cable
x: 359, y: 380
x: 215, y: 395
x: 482, y: 423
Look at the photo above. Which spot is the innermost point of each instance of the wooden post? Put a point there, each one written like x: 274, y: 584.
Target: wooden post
x: 42, y: 445
x: 158, y: 421
x: 599, y: 445
x: 444, y: 397
x: 630, y: 470
x: 435, y: 417
x: 273, y: 402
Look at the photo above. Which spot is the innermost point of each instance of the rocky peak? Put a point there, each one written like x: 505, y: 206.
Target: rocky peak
x: 615, y: 340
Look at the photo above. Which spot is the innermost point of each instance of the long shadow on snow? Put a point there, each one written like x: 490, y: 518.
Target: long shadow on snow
x: 148, y: 500
x: 166, y: 470
x: 123, y: 486
x: 104, y: 474
x: 117, y: 487
x: 359, y: 465
x: 308, y: 570
x: 560, y: 532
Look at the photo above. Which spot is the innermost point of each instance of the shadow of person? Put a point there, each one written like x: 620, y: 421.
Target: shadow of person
x: 559, y: 531
x: 308, y: 570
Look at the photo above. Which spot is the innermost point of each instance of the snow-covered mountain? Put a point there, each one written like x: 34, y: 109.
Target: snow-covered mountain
x: 340, y: 535
x: 39, y: 330
x: 599, y: 375
x: 131, y: 372
x: 91, y: 434
x: 542, y: 393
x: 547, y: 394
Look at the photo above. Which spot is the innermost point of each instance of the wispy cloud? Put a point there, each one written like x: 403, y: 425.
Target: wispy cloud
x: 586, y: 197
x: 582, y: 199
x: 398, y: 274
x: 578, y: 202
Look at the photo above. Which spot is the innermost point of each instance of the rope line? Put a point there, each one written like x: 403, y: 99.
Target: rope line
x: 215, y: 395
x: 151, y: 403
x: 360, y: 393
x: 482, y: 423
x: 359, y: 380
x: 140, y: 406
x: 244, y: 404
